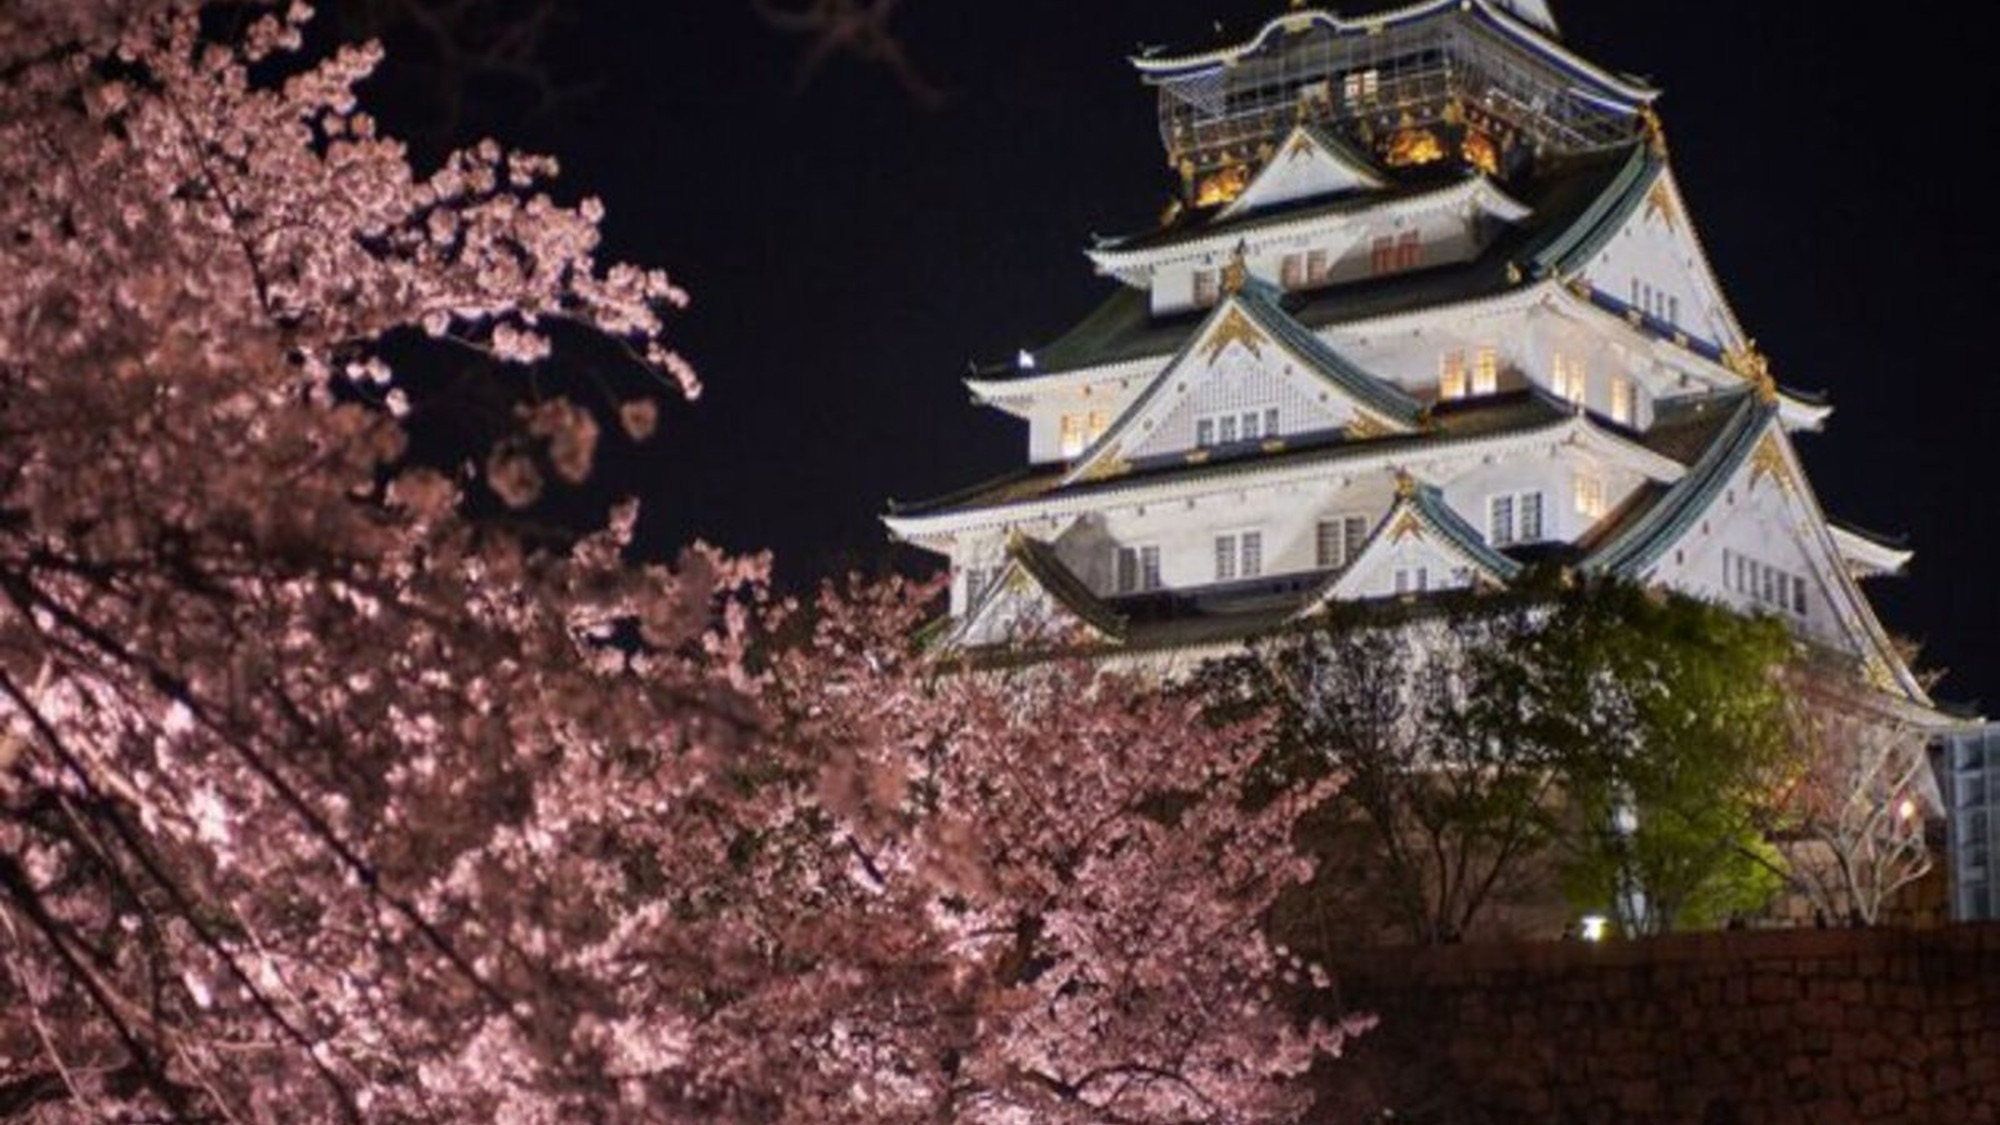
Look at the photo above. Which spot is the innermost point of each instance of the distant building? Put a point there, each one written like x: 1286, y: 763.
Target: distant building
x: 1968, y: 770
x: 1428, y: 308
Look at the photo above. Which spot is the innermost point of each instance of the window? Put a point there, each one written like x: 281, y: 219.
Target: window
x: 1382, y: 256
x: 1500, y: 521
x: 1226, y: 429
x: 1292, y: 271
x: 1207, y: 288
x: 1072, y: 435
x: 1589, y: 497
x: 1340, y: 541
x: 1571, y: 382
x: 1413, y: 580
x: 977, y: 579
x: 1531, y: 517
x: 1451, y: 376
x: 1138, y: 569
x: 1099, y: 422
x: 1319, y: 267
x: 1514, y: 517
x: 1360, y: 85
x: 1486, y: 371
x: 1674, y: 311
x: 1409, y: 250
x: 1239, y: 556
x: 1621, y: 400
x: 1760, y: 582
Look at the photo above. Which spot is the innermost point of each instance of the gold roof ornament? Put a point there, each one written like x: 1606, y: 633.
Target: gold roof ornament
x: 1406, y: 485
x: 1236, y: 329
x: 1769, y: 461
x: 1755, y: 368
x: 1654, y: 130
x: 1237, y: 273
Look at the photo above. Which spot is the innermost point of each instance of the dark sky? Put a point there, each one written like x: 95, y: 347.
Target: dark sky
x: 850, y: 250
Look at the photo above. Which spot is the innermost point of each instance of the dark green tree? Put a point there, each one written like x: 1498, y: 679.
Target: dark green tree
x: 1665, y: 716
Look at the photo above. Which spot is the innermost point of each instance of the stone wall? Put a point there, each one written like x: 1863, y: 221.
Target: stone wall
x: 1830, y: 1027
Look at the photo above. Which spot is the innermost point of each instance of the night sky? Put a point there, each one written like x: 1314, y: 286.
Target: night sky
x: 850, y: 250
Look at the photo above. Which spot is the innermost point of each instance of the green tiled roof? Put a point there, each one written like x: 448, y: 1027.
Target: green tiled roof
x: 1640, y: 540
x: 1123, y: 327
x: 1468, y: 420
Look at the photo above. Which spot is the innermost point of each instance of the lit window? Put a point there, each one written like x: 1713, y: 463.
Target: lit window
x: 1621, y: 400
x: 1451, y: 376
x: 1486, y: 371
x: 1207, y: 288
x: 1382, y: 256
x: 1072, y: 440
x: 1589, y: 497
x: 1340, y: 541
x: 1099, y: 422
x: 1361, y: 85
x: 1409, y: 250
x: 1571, y: 381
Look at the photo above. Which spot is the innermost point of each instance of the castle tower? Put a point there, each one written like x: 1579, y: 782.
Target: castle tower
x: 1428, y: 309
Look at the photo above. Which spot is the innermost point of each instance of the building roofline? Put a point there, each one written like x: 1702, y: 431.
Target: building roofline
x: 1162, y: 68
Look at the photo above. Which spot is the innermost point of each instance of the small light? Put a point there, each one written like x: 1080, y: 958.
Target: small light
x: 1907, y: 810
x: 1025, y: 361
x: 1595, y: 927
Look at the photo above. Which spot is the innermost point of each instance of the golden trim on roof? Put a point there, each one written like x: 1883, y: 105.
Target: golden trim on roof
x: 1366, y: 427
x: 1406, y: 527
x: 1660, y: 201
x: 1769, y: 461
x: 1235, y: 329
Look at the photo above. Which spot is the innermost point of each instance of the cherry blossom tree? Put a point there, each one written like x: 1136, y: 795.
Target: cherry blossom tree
x: 1858, y: 811
x: 321, y: 800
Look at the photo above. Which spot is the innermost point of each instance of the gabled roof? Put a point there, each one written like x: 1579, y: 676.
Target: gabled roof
x: 1512, y: 415
x: 1033, y: 564
x: 1868, y: 554
x: 1420, y: 510
x: 1251, y: 317
x: 1636, y: 545
x: 1124, y: 328
x: 1285, y: 218
x: 1315, y: 158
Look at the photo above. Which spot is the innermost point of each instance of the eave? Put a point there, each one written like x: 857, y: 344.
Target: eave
x: 1256, y: 229
x: 1868, y: 557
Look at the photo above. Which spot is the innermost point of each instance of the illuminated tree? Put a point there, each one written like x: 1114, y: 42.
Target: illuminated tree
x: 322, y: 801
